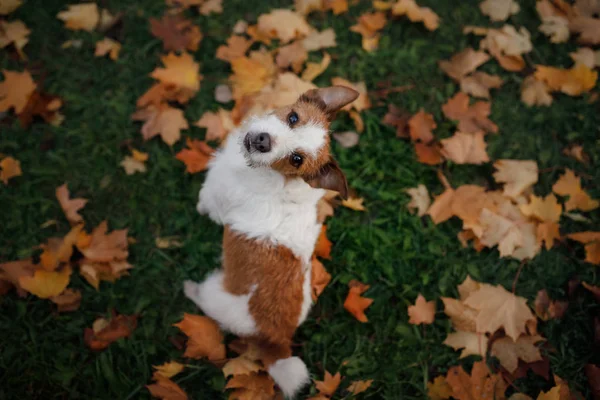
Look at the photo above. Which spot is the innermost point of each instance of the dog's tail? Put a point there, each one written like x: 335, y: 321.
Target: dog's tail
x: 289, y: 373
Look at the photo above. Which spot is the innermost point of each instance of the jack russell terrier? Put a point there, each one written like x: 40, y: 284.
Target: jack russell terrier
x: 264, y: 186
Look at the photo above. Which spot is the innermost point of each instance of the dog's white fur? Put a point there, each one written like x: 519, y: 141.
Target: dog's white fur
x: 243, y: 192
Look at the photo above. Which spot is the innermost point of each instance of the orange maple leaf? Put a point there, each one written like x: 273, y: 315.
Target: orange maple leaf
x: 471, y: 118
x: 197, y: 156
x: 421, y: 126
x: 180, y: 71
x: 463, y: 63
x: 323, y: 246
x: 466, y: 148
x: 9, y: 168
x: 166, y: 389
x: 320, y: 278
x: 417, y: 14
x: 573, y: 82
x: 70, y: 206
x: 355, y: 304
x: 429, y: 154
x: 481, y: 384
x: 15, y: 90
x: 570, y: 185
x: 252, y: 386
x: 423, y: 312
x: 162, y: 120
x: 592, y: 245
x: 236, y: 47
x: 12, y: 272
x: 204, y: 337
x: 105, y: 332
x: 176, y: 32
x: 329, y: 384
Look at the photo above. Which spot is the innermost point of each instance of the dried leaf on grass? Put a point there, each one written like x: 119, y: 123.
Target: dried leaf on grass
x: 355, y: 304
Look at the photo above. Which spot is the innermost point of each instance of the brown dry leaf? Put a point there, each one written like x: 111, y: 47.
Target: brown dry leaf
x: 472, y: 343
x: 397, y: 118
x: 555, y: 27
x: 8, y: 6
x: 217, y: 124
x: 577, y: 152
x: 592, y: 245
x: 429, y: 154
x: 421, y: 126
x: 547, y: 309
x: 355, y: 304
x: 15, y: 90
x: 80, y: 17
x: 481, y: 384
x: 180, y: 71
x: 60, y: 250
x: 570, y: 185
x: 357, y: 387
x: 104, y: 332
x: 320, y: 278
x: 9, y: 168
x: 103, y: 247
x: 319, y: 40
x: 471, y: 118
x: 478, y: 84
x: 417, y: 14
x: 70, y: 206
x: 45, y: 284
x: 465, y: 148
x: 15, y: 33
x: 507, y: 42
x: 463, y: 63
x: 323, y: 246
x: 167, y: 370
x: 337, y: 6
x: 108, y: 46
x: 548, y: 232
x: 240, y: 366
x: 329, y: 384
x: 420, y: 200
x: 292, y: 55
x: 68, y: 300
x: 441, y: 209
x: 236, y: 47
x: 131, y: 165
x: 354, y: 203
x: 159, y: 93
x: 162, y: 120
x: 439, y: 389
x: 251, y: 387
x: 588, y: 29
x: 43, y: 105
x: 499, y: 308
x: 545, y: 210
x: 423, y: 312
x: 369, y: 24
x: 362, y: 102
x: 517, y: 176
x: 283, y: 24
x: 176, y: 32
x: 552, y: 394
x: 535, y: 92
x: 587, y: 57
x: 509, y: 352
x: 499, y: 10
x: 313, y: 70
x: 166, y: 389
x: 592, y: 372
x: 204, y: 337
x: 211, y: 7
x: 11, y: 273
x: 514, y: 236
x: 196, y: 156
x: 574, y: 81
x: 305, y: 7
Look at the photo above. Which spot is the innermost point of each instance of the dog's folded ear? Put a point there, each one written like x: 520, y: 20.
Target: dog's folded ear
x: 331, y: 177
x: 333, y: 98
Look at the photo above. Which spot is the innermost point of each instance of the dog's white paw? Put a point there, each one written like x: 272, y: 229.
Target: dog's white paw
x: 191, y: 289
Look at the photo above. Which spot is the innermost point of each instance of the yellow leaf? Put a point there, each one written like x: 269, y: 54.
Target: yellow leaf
x: 108, y: 46
x: 472, y: 343
x: 168, y: 370
x: 355, y: 203
x: 80, y: 16
x: 45, y: 284
x: 439, y: 389
x: 9, y: 168
x: 359, y: 386
x: 545, y: 210
x: 180, y: 71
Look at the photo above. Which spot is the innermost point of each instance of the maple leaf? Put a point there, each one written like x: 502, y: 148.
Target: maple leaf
x: 499, y: 308
x: 329, y: 384
x: 292, y: 55
x: 472, y: 343
x: 420, y: 126
x: 397, y: 118
x: 166, y: 389
x: 167, y: 370
x: 250, y: 75
x: 428, y: 154
x: 9, y: 168
x: 70, y: 206
x: 316, y: 40
x: 546, y: 210
x: 548, y: 232
x: 547, y: 309
x: 471, y: 119
x: 236, y: 47
x: 320, y: 278
x: 217, y: 124
x: 283, y: 24
x: 12, y: 272
x: 196, y: 156
x: 324, y: 206
x: 499, y: 10
x: 104, y: 332
x: 357, y: 387
x: 369, y: 24
x: 420, y: 200
x: 441, y: 209
x: 80, y: 17
x: 463, y: 317
x: 570, y: 185
x: 108, y: 46
x: 423, y: 312
x: 162, y: 120
x: 323, y: 246
x: 15, y: 33
x: 240, y: 366
x: 463, y: 63
x: 592, y: 245
x: 588, y: 29
x: 135, y: 162
x: 481, y: 384
x: 43, y: 105
x: 517, y: 176
x: 211, y: 6
x: 8, y: 6
x: 180, y: 71
x: 465, y: 148
x: 204, y: 337
x: 103, y: 247
x: 508, y: 352
x: 68, y: 300
x: 417, y: 14
x: 305, y: 7
x: 337, y: 6
x: 439, y: 389
x: 507, y: 41
x: 586, y: 56
x: 251, y: 387
x: 556, y: 27
x: 574, y: 81
x: 514, y: 238
x: 45, y: 284
x: 176, y: 32
x: 15, y: 90
x: 355, y: 304
x: 354, y: 203
x: 478, y: 84
x: 535, y: 92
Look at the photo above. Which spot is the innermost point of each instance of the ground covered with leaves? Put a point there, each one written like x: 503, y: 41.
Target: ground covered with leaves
x: 464, y: 265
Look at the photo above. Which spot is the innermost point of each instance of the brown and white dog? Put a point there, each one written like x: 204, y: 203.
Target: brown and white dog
x: 264, y: 186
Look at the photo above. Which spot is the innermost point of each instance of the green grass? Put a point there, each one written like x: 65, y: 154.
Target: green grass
x: 42, y: 353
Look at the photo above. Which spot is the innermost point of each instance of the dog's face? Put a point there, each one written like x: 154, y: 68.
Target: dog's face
x: 294, y: 140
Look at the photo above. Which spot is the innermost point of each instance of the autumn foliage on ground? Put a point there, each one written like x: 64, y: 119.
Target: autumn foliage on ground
x: 464, y: 265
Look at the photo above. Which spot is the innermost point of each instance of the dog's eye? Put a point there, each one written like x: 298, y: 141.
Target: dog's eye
x: 293, y: 118
x: 296, y: 160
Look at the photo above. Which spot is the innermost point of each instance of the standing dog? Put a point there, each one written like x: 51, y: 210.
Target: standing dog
x: 264, y: 186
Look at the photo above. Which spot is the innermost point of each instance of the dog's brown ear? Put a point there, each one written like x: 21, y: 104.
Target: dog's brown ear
x: 333, y: 97
x: 331, y: 177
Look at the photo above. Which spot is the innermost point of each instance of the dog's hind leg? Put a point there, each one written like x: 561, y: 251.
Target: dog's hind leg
x: 230, y: 311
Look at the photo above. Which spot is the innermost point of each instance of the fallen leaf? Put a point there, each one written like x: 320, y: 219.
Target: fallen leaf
x: 313, y: 70
x: 12, y: 272
x: 131, y: 165
x: 417, y: 14
x: 465, y: 148
x: 15, y: 90
x: 323, y: 246
x: 545, y: 210
x: 592, y: 245
x: 574, y: 81
x: 548, y: 232
x: 514, y: 237
x: 167, y: 370
x: 362, y: 102
x: 176, y: 32
x: 168, y: 242
x: 552, y: 394
x: 420, y: 200
x: 421, y: 126
x: 324, y: 206
x: 236, y: 47
x: 204, y: 337
x: 80, y: 17
x: 45, y: 284
x: 463, y: 63
x: 441, y: 209
x: 8, y: 6
x: 357, y: 387
x: 547, y: 309
x: 355, y: 304
x: 397, y: 118
x: 587, y: 27
x: 108, y: 46
x: 423, y: 312
x: 9, y: 168
x: 507, y: 42
x: 316, y: 40
x: 428, y: 154
x: 337, y: 6
x: 251, y: 387
x: 586, y: 56
x: 215, y: 124
x: 499, y: 10
x: 162, y: 120
x: 471, y: 118
x: 481, y: 384
x: 104, y: 332
x: 70, y: 206
x: 180, y: 71
x: 103, y: 247
x: 354, y: 203
x: 570, y: 185
x: 283, y: 24
x: 305, y: 7
x: 292, y: 55
x: 329, y: 384
x: 211, y: 6
x: 535, y: 92
x: 43, y: 105
x: 368, y: 26
x: 508, y: 352
x: 166, y: 389
x: 15, y: 33
x: 320, y: 278
x: 517, y: 176
x: 577, y: 152
x: 472, y: 343
x: 196, y: 156
x: 439, y: 389
x: 68, y: 300
x: 478, y: 84
x: 555, y: 27
x: 250, y: 75
x: 240, y: 366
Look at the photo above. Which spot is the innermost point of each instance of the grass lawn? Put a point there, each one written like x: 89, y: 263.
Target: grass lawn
x: 42, y: 353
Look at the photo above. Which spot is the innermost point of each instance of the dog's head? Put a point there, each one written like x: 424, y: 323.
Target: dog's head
x: 294, y: 140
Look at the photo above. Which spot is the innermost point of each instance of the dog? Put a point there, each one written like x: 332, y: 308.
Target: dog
x: 263, y: 185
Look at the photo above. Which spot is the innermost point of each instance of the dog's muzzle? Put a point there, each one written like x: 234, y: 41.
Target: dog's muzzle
x: 258, y: 141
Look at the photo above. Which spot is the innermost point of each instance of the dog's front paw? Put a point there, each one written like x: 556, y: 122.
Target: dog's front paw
x: 191, y: 289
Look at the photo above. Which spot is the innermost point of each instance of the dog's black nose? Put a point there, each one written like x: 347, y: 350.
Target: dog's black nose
x: 261, y: 142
